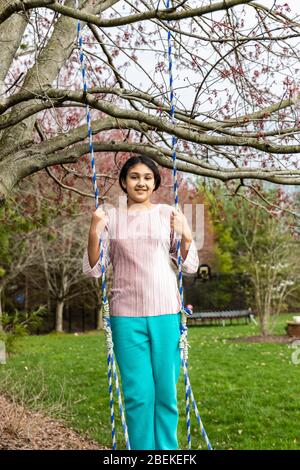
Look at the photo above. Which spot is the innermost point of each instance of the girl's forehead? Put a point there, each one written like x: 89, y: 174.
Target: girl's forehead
x: 141, y: 169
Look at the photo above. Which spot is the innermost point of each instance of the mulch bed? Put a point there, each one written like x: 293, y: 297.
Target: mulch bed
x: 264, y: 339
x: 21, y: 429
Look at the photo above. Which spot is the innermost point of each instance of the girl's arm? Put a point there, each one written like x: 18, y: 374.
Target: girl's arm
x: 186, y: 241
x: 180, y: 229
x: 99, y: 223
x: 93, y: 246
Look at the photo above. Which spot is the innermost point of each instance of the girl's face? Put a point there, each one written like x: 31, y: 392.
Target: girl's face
x: 139, y: 183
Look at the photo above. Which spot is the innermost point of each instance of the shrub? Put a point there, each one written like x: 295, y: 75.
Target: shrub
x: 18, y: 324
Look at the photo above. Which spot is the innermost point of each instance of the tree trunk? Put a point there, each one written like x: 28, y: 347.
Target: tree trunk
x: 49, y: 308
x: 99, y: 319
x: 59, y: 316
x: 1, y: 325
x: 11, y: 34
x: 264, y: 321
x: 26, y: 300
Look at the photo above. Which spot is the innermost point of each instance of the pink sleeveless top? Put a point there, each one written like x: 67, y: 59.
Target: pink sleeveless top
x: 142, y: 248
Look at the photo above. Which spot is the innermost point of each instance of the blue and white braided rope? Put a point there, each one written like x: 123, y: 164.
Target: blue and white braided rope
x: 199, y: 420
x: 112, y: 370
x: 184, y: 310
x: 110, y: 361
x: 110, y: 358
x: 183, y: 344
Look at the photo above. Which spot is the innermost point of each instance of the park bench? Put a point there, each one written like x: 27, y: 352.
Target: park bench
x: 222, y: 317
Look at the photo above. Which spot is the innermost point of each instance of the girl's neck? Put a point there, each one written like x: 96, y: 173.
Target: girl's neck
x: 139, y: 205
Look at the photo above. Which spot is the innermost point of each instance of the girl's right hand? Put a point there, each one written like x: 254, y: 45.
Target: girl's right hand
x: 99, y: 220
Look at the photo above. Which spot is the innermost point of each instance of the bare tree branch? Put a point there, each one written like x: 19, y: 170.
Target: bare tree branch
x: 106, y: 23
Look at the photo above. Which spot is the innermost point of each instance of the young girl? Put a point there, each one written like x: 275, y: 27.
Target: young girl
x: 145, y: 301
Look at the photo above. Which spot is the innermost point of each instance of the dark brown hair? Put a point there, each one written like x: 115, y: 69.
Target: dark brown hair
x: 134, y: 161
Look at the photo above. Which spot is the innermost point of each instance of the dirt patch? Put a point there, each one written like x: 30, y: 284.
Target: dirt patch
x: 21, y: 429
x: 284, y: 339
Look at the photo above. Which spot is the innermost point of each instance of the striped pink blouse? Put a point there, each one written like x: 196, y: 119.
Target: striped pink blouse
x: 142, y: 247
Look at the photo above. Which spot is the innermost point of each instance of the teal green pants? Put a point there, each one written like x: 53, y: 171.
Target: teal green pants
x: 147, y: 352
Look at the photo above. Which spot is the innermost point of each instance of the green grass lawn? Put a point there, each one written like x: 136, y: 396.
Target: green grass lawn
x: 247, y: 394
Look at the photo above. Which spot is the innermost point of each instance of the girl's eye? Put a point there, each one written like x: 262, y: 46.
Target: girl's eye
x: 147, y: 178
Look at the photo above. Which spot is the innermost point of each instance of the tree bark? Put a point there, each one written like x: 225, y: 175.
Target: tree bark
x: 59, y: 316
x: 11, y: 33
x: 99, y: 319
x: 1, y: 312
x: 26, y: 300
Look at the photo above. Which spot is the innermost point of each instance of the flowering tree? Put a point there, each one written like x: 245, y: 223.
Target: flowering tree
x: 235, y: 68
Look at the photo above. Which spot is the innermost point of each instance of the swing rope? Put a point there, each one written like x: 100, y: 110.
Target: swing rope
x: 183, y: 344
x: 111, y: 363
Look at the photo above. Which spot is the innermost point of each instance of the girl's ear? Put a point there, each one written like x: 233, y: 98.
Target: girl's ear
x: 123, y: 183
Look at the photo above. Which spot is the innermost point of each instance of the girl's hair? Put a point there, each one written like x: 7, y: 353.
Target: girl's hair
x: 134, y: 161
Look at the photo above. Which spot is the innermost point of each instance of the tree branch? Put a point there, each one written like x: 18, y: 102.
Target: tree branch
x: 108, y: 23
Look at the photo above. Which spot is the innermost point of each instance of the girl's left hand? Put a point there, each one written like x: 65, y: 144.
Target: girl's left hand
x: 179, y: 224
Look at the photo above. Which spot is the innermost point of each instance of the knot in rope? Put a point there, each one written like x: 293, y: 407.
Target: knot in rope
x: 183, y: 342
x: 187, y: 311
x: 108, y: 332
